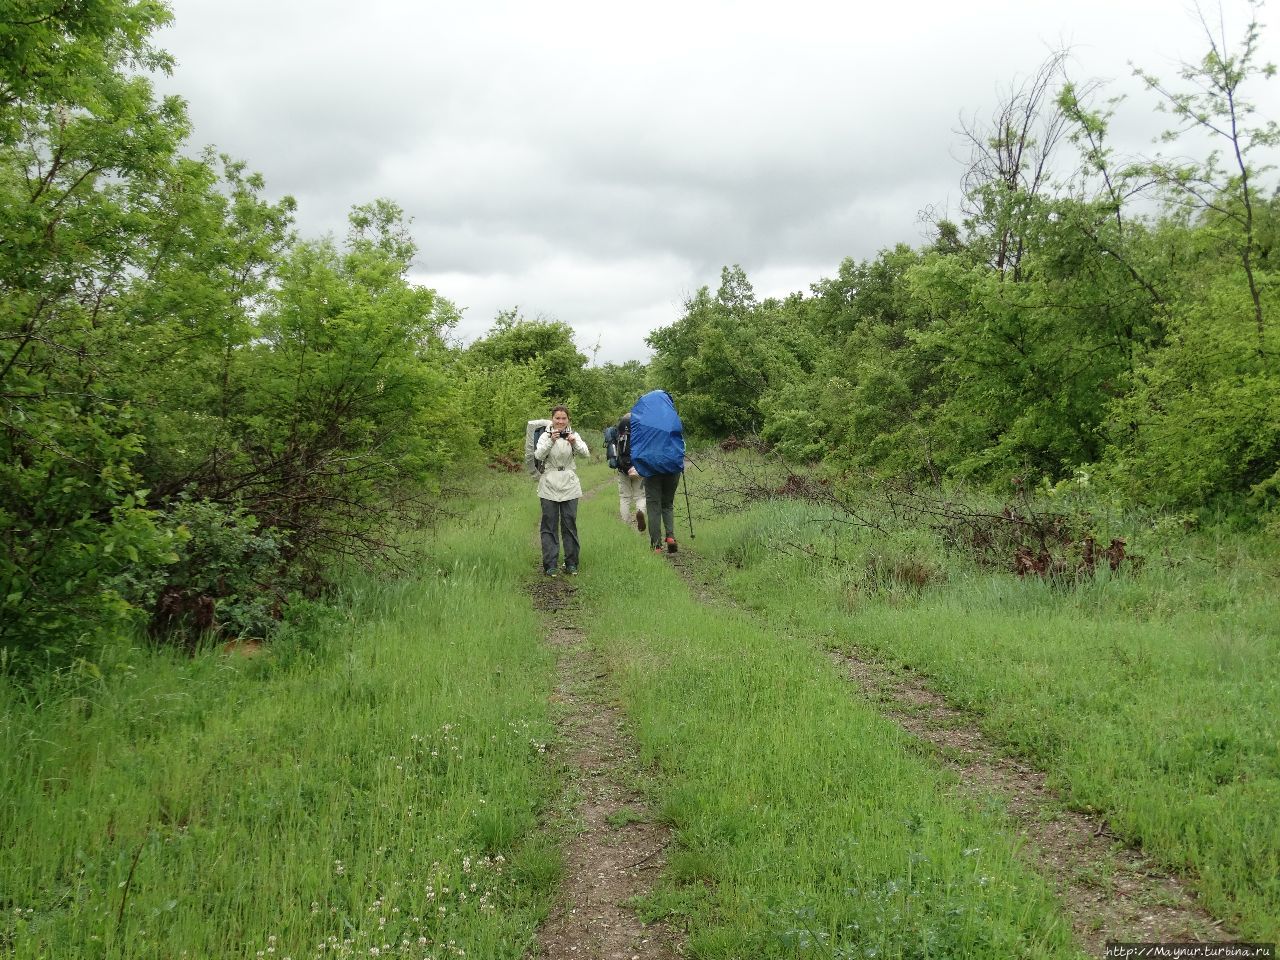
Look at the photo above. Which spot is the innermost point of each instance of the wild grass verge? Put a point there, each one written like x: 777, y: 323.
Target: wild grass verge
x: 370, y: 789
x: 1148, y: 696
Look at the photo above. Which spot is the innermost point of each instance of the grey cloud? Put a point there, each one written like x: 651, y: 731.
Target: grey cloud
x: 597, y: 163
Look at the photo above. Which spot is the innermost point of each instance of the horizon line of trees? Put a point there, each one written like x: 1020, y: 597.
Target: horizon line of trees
x: 203, y: 415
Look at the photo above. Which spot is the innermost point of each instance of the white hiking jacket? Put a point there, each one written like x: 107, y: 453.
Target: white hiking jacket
x: 559, y: 481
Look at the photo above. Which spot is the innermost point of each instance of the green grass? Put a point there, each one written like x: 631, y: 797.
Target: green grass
x: 1150, y: 698
x: 374, y: 787
x: 350, y: 787
x: 806, y: 824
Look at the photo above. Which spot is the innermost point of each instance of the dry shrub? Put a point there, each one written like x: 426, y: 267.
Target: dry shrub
x: 505, y: 463
x: 798, y: 487
x: 910, y: 571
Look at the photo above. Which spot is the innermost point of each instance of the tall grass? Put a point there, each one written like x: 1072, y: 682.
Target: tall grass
x: 371, y: 787
x: 1150, y: 697
x: 806, y: 824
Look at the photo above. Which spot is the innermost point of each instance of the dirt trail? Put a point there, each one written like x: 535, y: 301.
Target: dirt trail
x: 616, y: 850
x: 1109, y: 890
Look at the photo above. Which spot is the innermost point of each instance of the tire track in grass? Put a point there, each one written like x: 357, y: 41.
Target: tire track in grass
x: 1108, y: 890
x: 617, y: 849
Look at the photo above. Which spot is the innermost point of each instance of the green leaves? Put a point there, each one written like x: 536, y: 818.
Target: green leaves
x: 1201, y: 424
x: 163, y: 334
x: 545, y: 346
x: 722, y: 358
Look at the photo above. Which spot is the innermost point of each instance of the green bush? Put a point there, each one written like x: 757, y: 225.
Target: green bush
x: 228, y: 578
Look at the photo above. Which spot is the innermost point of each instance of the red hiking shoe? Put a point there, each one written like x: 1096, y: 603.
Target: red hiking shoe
x: 672, y: 546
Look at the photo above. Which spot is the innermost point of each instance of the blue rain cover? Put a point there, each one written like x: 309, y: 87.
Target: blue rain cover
x: 657, y: 435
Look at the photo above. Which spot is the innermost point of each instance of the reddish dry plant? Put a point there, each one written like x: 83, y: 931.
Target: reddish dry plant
x: 1043, y: 543
x: 1044, y: 564
x: 180, y: 612
x: 506, y: 464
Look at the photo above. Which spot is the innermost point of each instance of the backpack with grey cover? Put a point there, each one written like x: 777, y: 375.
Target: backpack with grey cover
x: 532, y: 434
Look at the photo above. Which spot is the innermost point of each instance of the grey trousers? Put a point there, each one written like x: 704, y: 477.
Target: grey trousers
x: 559, y: 518
x: 660, y: 498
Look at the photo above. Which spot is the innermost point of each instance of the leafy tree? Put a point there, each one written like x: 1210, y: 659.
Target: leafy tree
x: 348, y: 416
x: 606, y: 392
x: 725, y: 354
x: 1199, y: 425
x: 1010, y: 166
x: 168, y: 350
x: 865, y: 403
x: 1225, y: 192
x: 547, y: 346
x: 499, y: 400
x: 87, y: 157
x: 192, y: 319
x: 515, y: 373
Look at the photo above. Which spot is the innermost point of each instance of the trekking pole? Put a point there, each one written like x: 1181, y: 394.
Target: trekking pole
x: 688, y: 510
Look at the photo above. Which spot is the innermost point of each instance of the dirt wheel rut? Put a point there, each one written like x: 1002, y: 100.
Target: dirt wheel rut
x: 616, y: 849
x: 1110, y: 890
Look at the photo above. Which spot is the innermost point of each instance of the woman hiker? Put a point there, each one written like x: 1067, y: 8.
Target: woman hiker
x: 559, y: 490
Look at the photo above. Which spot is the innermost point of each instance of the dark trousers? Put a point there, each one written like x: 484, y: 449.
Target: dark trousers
x: 564, y: 516
x: 660, y: 499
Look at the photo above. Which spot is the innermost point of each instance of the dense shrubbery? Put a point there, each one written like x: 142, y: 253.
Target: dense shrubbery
x: 199, y: 411
x: 521, y: 367
x: 1054, y: 331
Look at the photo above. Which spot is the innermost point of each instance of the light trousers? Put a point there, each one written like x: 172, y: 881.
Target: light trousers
x: 630, y: 496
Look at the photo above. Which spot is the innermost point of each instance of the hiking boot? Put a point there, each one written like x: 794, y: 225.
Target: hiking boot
x: 640, y: 520
x: 658, y: 548
x: 550, y: 572
x: 571, y: 569
x: 672, y: 546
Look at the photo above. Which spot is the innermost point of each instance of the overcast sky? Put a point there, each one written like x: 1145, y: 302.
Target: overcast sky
x: 596, y: 163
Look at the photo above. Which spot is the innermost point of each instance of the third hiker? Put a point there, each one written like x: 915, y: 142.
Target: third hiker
x: 630, y: 483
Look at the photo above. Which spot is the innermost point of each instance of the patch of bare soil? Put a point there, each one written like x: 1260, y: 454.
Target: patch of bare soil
x: 1109, y: 890
x: 617, y: 849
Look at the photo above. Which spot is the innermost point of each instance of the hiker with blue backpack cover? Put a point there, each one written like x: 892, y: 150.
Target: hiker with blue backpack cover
x: 657, y: 454
x: 559, y: 490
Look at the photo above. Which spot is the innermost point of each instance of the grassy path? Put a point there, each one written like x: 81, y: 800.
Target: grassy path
x: 1108, y: 890
x: 1147, y: 701
x: 806, y: 823
x: 427, y: 776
